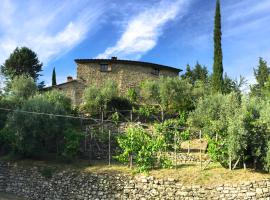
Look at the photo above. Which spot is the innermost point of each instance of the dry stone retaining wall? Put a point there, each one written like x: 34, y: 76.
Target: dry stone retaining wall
x: 29, y: 182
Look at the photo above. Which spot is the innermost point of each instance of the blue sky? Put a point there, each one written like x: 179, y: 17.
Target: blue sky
x: 169, y: 32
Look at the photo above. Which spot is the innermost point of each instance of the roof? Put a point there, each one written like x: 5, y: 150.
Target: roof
x: 132, y: 62
x: 68, y: 82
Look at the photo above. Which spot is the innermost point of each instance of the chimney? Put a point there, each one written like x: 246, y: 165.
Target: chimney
x: 69, y: 78
x: 114, y: 58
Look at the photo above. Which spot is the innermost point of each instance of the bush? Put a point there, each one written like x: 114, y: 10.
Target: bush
x: 21, y: 88
x: 96, y: 98
x: 137, y: 144
x: 72, y: 141
x: 34, y: 135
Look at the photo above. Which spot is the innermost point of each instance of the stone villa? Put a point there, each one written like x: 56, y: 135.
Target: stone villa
x: 126, y: 73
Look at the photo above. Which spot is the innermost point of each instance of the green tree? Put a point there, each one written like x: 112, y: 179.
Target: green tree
x: 170, y: 94
x: 54, y: 77
x: 188, y: 74
x: 139, y: 146
x: 21, y: 88
x: 261, y: 74
x: 267, y: 158
x: 217, y: 78
x: 199, y: 73
x: 96, y: 98
x: 35, y: 135
x: 230, y: 85
x: 22, y: 61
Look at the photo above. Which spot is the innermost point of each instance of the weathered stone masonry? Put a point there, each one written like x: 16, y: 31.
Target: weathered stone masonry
x: 71, y: 184
x: 125, y: 73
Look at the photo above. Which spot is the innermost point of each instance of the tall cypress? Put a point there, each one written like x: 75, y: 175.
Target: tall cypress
x: 218, y: 65
x: 53, y: 77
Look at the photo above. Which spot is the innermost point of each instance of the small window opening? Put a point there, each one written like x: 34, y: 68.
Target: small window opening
x: 104, y: 68
x: 156, y: 71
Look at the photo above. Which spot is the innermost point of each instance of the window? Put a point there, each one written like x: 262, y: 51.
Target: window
x: 156, y: 71
x: 104, y: 68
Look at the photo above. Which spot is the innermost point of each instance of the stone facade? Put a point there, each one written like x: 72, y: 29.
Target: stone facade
x: 126, y: 73
x: 29, y: 182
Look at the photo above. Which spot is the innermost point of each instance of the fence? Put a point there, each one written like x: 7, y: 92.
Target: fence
x: 101, y: 130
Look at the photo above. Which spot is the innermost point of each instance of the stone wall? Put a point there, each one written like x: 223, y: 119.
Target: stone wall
x: 126, y: 75
x: 29, y: 182
x: 187, y: 158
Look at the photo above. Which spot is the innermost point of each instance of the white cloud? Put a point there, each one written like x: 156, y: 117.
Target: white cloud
x: 50, y: 29
x: 142, y: 31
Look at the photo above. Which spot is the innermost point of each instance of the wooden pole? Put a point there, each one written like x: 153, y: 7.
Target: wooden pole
x: 189, y: 142
x: 175, y: 159
x: 131, y: 116
x: 230, y: 162
x: 85, y: 143
x: 162, y: 115
x: 201, y: 149
x: 102, y: 119
x: 109, y: 147
x: 90, y: 145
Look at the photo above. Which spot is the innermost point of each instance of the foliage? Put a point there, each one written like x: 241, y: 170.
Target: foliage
x: 96, y: 98
x: 230, y: 85
x: 217, y: 78
x: 139, y: 145
x: 21, y: 88
x: 145, y: 111
x: 72, y: 141
x: 199, y: 73
x: 216, y: 116
x: 261, y: 73
x: 23, y: 61
x: 170, y: 94
x: 38, y: 134
x: 54, y: 77
x: 267, y: 158
x: 5, y: 103
x: 132, y: 95
x: 212, y: 113
x: 237, y: 130
x: 119, y: 104
x: 217, y: 150
x: 173, y: 130
x: 115, y: 117
x: 168, y: 129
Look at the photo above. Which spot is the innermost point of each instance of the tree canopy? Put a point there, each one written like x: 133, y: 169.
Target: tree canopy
x: 217, y: 78
x: 22, y: 61
x: 54, y: 77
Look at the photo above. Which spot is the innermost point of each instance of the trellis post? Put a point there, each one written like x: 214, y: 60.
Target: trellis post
x: 109, y: 147
x: 201, y: 149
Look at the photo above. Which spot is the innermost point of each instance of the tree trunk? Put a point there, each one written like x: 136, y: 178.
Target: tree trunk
x: 230, y: 162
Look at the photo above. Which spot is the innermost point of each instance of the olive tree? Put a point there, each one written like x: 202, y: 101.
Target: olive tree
x: 170, y: 94
x: 96, y: 98
x: 36, y: 128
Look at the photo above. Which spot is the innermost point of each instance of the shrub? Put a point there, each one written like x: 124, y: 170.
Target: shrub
x: 21, y: 88
x: 137, y: 144
x: 96, y: 98
x: 37, y: 134
x: 72, y: 141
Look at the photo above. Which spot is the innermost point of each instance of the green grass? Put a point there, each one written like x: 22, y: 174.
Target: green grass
x: 189, y: 174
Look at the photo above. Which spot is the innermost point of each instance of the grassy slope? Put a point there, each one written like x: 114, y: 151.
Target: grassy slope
x: 214, y: 174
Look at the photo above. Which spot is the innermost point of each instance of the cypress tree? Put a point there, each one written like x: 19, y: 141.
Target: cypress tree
x: 218, y: 65
x: 262, y: 73
x: 54, y: 77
